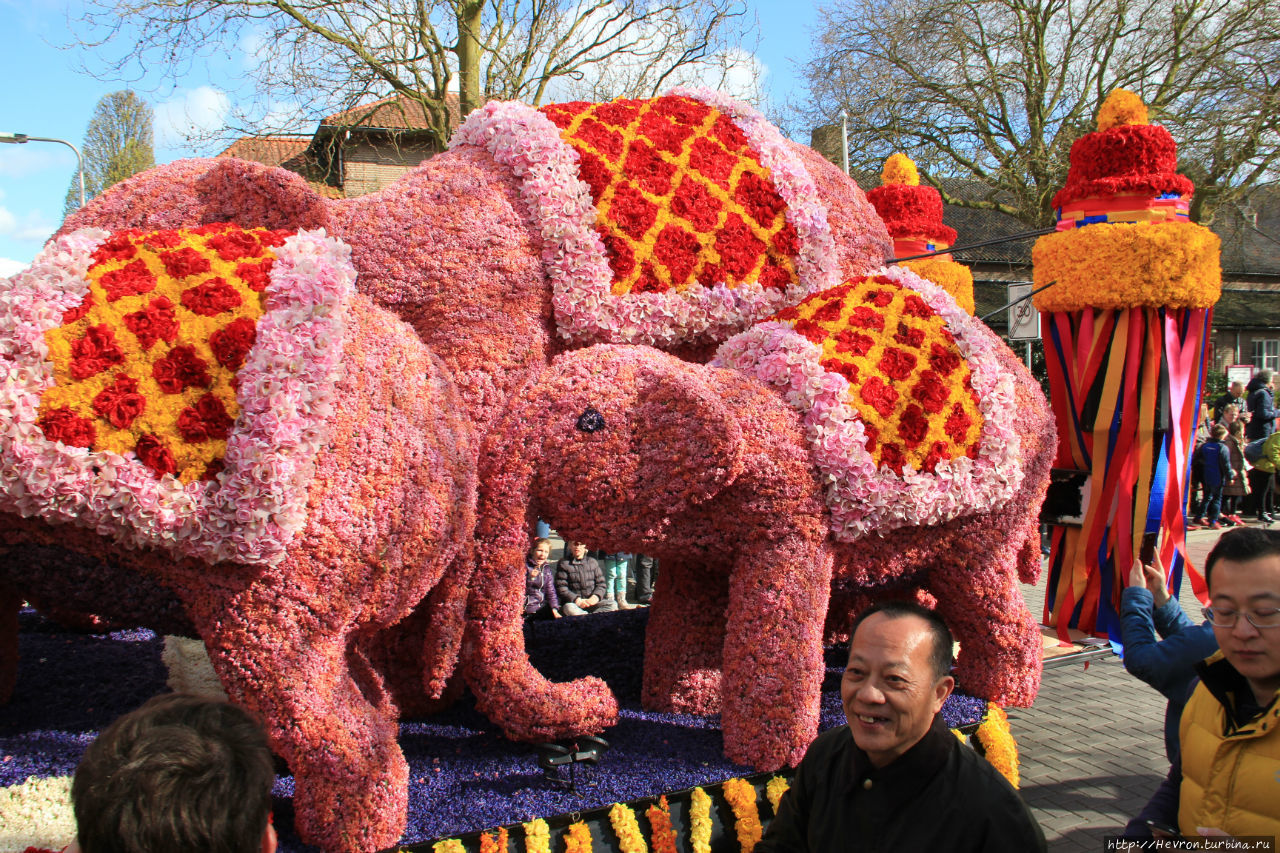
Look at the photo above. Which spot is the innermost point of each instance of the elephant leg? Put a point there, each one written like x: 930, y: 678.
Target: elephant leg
x: 276, y: 658
x: 10, y: 604
x: 1000, y: 652
x: 773, y: 663
x: 685, y: 640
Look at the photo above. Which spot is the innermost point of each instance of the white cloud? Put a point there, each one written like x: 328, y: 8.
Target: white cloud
x: 31, y: 227
x: 22, y: 161
x: 195, y: 113
x: 8, y: 267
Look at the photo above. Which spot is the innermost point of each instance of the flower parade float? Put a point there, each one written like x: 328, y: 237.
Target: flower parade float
x: 874, y: 439
x: 913, y: 215
x: 669, y: 224
x: 213, y: 411
x: 1127, y: 318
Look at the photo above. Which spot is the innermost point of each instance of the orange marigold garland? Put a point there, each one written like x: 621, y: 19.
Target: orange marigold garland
x: 741, y: 796
x: 578, y: 838
x: 494, y: 842
x: 777, y: 786
x: 700, y: 821
x: 662, y: 834
x: 627, y: 828
x: 998, y: 744
x: 449, y: 845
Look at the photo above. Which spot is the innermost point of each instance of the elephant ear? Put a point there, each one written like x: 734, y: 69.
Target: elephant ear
x: 172, y: 388
x: 672, y: 221
x: 909, y: 413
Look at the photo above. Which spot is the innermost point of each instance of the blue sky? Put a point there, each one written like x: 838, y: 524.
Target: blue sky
x: 47, y: 94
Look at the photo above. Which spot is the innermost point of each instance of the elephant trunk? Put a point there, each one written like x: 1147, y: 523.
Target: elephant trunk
x: 508, y: 689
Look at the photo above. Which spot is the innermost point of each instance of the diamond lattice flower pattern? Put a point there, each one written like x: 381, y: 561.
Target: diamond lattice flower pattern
x: 147, y: 362
x: 681, y: 197
x: 908, y: 381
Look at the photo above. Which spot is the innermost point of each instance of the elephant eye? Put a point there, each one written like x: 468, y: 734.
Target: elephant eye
x: 590, y: 420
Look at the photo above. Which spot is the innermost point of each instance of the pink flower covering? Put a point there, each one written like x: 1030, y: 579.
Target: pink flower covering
x: 525, y: 141
x: 862, y: 496
x: 257, y: 503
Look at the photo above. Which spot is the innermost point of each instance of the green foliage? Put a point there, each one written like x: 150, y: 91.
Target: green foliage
x: 118, y: 143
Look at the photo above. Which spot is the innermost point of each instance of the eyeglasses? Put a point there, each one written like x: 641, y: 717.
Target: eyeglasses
x: 1222, y: 618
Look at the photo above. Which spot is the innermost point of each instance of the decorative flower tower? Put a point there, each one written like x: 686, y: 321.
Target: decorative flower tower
x: 1126, y: 320
x: 913, y: 215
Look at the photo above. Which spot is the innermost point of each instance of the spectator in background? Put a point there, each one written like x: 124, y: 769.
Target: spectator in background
x: 1215, y: 472
x: 1262, y: 476
x: 1261, y: 406
x: 1233, y: 493
x: 1233, y: 396
x: 646, y: 572
x: 580, y: 583
x: 1196, y: 491
x: 540, y: 599
x: 1223, y: 780
x: 615, y: 579
x: 1161, y: 645
x: 181, y: 774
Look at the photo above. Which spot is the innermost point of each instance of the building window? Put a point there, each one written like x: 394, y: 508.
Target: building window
x: 1266, y: 355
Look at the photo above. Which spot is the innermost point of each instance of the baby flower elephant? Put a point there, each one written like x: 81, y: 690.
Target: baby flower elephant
x: 874, y: 438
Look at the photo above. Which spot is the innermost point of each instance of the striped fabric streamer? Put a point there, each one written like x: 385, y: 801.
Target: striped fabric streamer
x: 1132, y: 378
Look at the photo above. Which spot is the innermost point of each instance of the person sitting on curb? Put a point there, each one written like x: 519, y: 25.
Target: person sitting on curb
x: 540, y: 599
x: 182, y: 774
x: 1161, y: 645
x: 580, y: 583
x: 895, y: 774
x: 1224, y: 781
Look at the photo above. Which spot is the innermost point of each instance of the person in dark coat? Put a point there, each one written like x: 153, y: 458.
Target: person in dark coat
x: 580, y: 583
x: 1261, y: 405
x: 1215, y: 472
x: 1233, y: 396
x: 895, y: 775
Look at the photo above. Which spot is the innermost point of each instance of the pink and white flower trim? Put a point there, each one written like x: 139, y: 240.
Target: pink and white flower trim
x: 861, y: 495
x: 586, y: 311
x: 251, y: 512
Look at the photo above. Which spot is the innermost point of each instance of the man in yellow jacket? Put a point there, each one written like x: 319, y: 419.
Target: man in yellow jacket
x: 1226, y: 781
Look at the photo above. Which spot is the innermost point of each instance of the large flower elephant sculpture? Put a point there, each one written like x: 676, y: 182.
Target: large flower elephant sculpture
x: 754, y: 481
x: 293, y: 470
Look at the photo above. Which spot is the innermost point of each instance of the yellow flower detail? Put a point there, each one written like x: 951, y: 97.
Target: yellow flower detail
x: 954, y: 278
x: 775, y: 789
x: 1121, y: 107
x: 449, y: 845
x: 1127, y: 265
x: 189, y: 331
x: 900, y: 169
x: 537, y: 836
x: 998, y: 744
x: 700, y: 821
x: 908, y: 382
x: 741, y: 796
x: 578, y: 838
x: 630, y: 839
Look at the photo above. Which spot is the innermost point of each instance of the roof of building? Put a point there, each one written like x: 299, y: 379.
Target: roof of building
x: 394, y: 112
x: 287, y: 151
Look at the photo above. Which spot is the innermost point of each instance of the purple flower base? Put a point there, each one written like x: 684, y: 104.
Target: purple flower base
x: 464, y: 775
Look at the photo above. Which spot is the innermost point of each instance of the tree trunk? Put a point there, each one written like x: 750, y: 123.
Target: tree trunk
x: 468, y: 50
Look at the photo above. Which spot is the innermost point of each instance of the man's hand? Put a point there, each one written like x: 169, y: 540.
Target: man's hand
x: 584, y: 603
x: 593, y: 601
x: 1154, y: 575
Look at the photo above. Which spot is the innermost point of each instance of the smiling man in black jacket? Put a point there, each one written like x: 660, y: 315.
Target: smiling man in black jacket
x: 895, y: 778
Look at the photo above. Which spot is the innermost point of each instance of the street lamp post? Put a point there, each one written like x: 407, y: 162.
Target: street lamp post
x: 22, y: 138
x: 844, y: 140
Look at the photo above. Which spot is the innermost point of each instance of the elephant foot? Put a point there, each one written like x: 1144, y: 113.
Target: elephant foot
x: 530, y: 708
x: 360, y: 809
x: 684, y: 643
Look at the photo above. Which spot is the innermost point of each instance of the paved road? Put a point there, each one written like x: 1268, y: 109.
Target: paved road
x: 1092, y: 749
